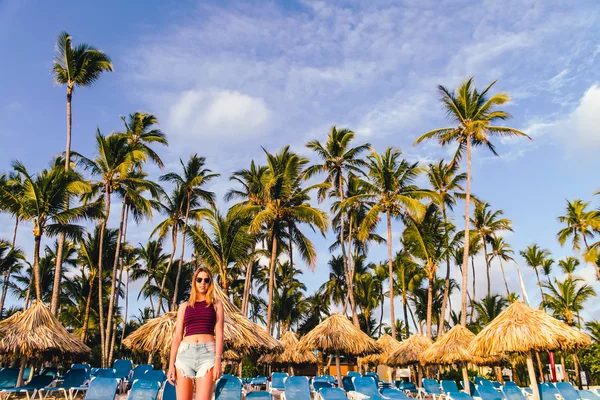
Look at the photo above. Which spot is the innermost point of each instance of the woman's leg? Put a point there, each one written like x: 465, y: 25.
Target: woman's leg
x: 184, y: 386
x: 205, y: 386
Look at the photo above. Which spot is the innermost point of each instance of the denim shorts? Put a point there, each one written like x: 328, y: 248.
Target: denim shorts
x: 194, y: 360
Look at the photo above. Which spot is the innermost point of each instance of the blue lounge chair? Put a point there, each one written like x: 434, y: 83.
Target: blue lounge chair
x: 330, y: 378
x: 318, y: 385
x: 168, y: 392
x: 36, y: 383
x: 102, y: 388
x: 332, y: 393
x: 366, y: 385
x: 138, y: 372
x: 513, y: 392
x: 567, y: 391
x: 353, y: 374
x: 489, y: 393
x: 509, y: 383
x: 49, y: 371
x: 296, y: 388
x: 473, y: 389
x: 588, y: 395
x: 347, y: 384
x: 155, y: 375
x: 277, y: 379
x: 142, y: 389
x: 229, y: 387
x: 106, y: 373
x: 459, y: 396
x: 259, y: 380
x: 431, y: 387
x: 481, y: 381
x: 373, y: 375
x: 8, y: 378
x: 73, y: 380
x: 548, y: 392
x: 407, y: 387
x: 449, y: 386
x: 259, y: 396
x: 122, y: 368
x: 86, y: 367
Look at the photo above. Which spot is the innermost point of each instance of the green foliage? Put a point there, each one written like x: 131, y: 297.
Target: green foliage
x: 590, y: 359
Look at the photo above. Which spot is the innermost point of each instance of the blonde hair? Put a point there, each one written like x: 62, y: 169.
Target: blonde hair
x: 194, y: 293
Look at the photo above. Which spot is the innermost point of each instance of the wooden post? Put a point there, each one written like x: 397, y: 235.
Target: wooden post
x: 339, y: 369
x: 21, y: 371
x: 533, y: 381
x: 465, y: 375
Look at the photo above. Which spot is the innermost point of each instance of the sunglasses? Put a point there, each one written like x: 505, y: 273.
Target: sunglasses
x: 206, y: 280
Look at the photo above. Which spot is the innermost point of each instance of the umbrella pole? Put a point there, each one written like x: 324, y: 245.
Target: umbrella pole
x: 339, y: 369
x: 21, y: 371
x: 465, y: 375
x: 531, y: 370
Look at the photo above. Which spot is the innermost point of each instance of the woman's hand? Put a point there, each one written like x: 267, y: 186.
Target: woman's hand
x: 171, y: 376
x: 217, y: 369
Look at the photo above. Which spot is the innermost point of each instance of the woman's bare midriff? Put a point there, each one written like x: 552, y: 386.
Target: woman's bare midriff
x: 201, y: 338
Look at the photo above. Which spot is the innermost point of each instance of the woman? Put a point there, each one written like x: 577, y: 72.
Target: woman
x: 197, y: 348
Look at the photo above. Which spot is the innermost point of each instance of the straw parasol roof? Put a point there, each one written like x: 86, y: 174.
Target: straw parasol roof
x: 409, y: 350
x: 336, y: 335
x: 291, y: 354
x: 240, y: 334
x: 36, y: 331
x: 155, y: 336
x: 520, y: 329
x: 231, y: 355
x: 7, y: 321
x: 388, y: 345
x: 451, y: 348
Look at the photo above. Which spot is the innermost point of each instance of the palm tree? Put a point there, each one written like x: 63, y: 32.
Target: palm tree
x: 337, y: 158
x: 445, y: 180
x: 409, y: 277
x: 368, y: 289
x: 335, y: 287
x: 228, y: 242
x: 535, y: 257
x: 113, y: 165
x: 580, y: 226
x: 593, y: 327
x: 473, y: 114
x: 45, y: 202
x: 488, y: 224
x: 568, y: 265
x: 284, y: 205
x: 76, y: 66
x: 288, y: 299
x: 425, y: 240
x: 11, y: 261
x: 152, y: 261
x: 567, y: 298
x: 391, y: 190
x: 141, y: 130
x: 502, y: 251
x: 194, y: 177
x: 489, y: 308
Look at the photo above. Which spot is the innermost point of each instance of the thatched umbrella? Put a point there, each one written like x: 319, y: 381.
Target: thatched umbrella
x: 7, y: 321
x: 521, y: 329
x: 409, y: 351
x: 337, y: 335
x: 291, y: 355
x: 452, y: 348
x: 36, y: 332
x: 388, y: 345
x: 239, y: 333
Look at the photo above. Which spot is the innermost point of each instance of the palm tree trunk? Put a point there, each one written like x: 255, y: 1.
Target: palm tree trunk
x: 247, y: 283
x: 271, y: 283
x: 88, y: 306
x: 440, y: 331
x: 164, y: 279
x: 412, y: 316
x: 351, y: 260
x: 487, y: 267
x: 113, y: 282
x: 539, y: 284
x: 474, y: 295
x: 577, y: 373
x: 349, y: 277
x: 126, y: 308
x: 391, y: 273
x: 100, y: 277
x: 429, y: 305
x: 57, y: 275
x: 504, y: 276
x: 465, y: 270
x: 36, y: 267
x: 69, y: 122
x: 176, y: 290
x: 540, y: 366
x: 405, y: 307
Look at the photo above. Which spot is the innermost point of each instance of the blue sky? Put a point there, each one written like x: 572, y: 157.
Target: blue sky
x: 227, y: 77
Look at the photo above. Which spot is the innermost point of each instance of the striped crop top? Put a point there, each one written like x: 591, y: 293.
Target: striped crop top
x: 200, y: 319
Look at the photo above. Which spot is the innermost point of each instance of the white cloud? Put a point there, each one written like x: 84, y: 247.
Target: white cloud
x: 218, y: 115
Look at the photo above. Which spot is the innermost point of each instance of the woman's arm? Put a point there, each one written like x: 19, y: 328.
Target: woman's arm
x: 177, y: 336
x: 218, y: 340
